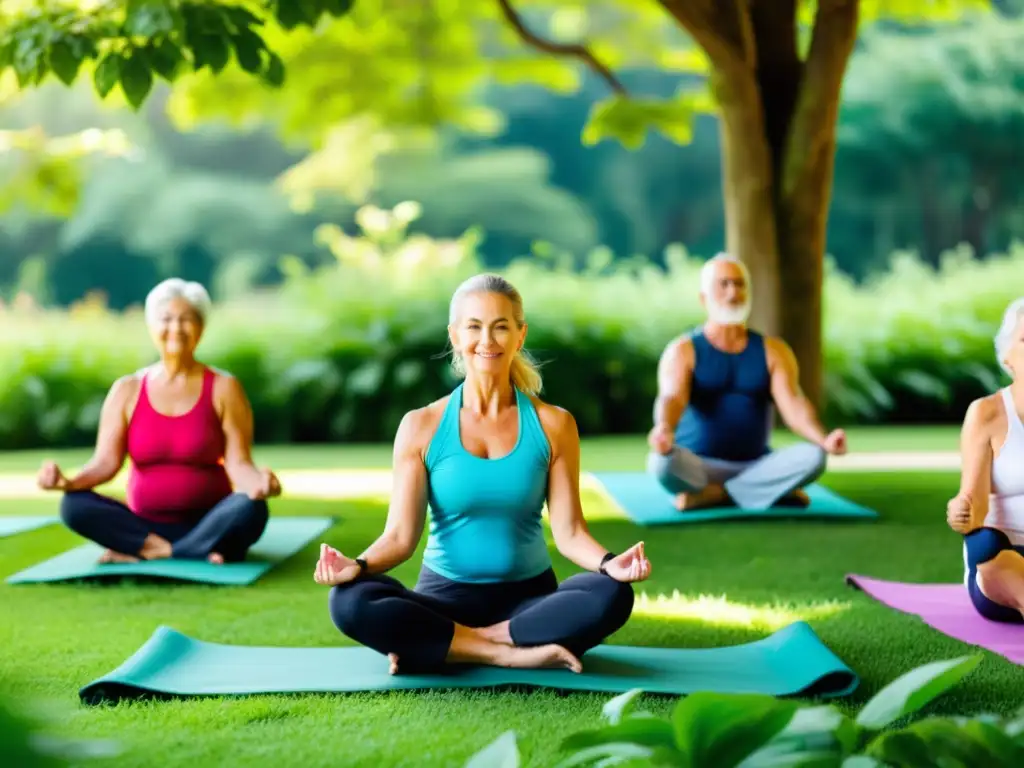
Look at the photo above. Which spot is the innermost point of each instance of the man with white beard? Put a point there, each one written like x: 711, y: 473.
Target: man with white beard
x: 713, y: 414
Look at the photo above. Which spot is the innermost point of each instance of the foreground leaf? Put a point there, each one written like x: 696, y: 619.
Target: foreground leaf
x: 722, y: 730
x: 915, y: 689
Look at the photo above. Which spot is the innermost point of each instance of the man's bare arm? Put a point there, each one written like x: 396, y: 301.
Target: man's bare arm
x: 675, y: 369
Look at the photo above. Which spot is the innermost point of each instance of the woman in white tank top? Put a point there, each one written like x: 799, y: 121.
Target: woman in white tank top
x: 989, y: 509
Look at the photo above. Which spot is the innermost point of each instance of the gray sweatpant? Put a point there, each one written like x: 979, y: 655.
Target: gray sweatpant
x: 751, y: 484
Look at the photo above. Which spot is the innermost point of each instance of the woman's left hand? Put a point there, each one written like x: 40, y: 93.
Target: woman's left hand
x: 267, y: 486
x: 631, y: 565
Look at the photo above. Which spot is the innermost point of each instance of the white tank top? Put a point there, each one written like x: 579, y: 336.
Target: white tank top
x: 1006, y: 502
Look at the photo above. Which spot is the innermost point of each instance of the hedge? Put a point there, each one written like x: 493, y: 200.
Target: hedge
x: 341, y: 353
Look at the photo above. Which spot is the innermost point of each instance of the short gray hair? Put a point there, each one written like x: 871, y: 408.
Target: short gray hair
x: 707, y: 272
x: 1004, y: 336
x: 176, y: 288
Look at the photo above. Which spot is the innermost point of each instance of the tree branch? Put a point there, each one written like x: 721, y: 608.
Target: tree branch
x: 723, y: 32
x: 812, y: 129
x: 570, y: 50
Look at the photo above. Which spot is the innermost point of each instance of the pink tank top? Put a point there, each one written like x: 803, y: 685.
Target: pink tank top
x: 177, y: 462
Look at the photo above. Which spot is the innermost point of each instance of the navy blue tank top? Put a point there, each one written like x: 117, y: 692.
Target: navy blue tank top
x: 729, y: 415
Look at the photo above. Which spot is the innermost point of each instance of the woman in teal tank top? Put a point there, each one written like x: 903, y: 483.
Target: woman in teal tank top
x: 485, y: 460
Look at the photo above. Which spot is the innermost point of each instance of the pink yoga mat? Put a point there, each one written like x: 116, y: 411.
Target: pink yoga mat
x: 947, y: 608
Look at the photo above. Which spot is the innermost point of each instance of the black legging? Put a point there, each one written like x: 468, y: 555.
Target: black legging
x: 233, y: 525
x: 379, y: 612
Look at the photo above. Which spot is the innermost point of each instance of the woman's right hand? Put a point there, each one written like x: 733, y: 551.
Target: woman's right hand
x: 333, y: 568
x: 958, y: 513
x: 50, y: 478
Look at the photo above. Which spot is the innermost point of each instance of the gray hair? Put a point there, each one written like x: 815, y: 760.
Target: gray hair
x: 1004, y: 336
x: 524, y: 373
x: 707, y: 272
x: 176, y: 288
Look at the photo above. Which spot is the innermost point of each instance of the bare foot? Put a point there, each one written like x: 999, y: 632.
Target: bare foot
x: 497, y: 633
x: 709, y: 496
x: 797, y: 498
x: 110, y: 556
x: 155, y: 548
x: 543, y: 657
x: 393, y: 663
x: 216, y: 558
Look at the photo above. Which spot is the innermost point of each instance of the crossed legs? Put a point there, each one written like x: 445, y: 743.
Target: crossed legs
x: 995, y: 578
x: 225, y: 533
x: 696, y: 481
x: 423, y: 632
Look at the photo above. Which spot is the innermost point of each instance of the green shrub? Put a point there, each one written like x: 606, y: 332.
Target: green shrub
x: 341, y: 353
x: 718, y: 730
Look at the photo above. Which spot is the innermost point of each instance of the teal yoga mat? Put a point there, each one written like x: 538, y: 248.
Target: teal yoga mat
x: 9, y: 526
x: 283, y: 537
x: 645, y: 502
x: 792, y: 661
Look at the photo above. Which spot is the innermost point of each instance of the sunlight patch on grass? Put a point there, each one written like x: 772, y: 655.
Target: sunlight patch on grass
x: 722, y: 612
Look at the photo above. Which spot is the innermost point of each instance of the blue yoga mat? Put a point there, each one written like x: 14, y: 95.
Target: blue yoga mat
x: 645, y: 502
x: 792, y: 661
x: 9, y: 526
x: 283, y: 537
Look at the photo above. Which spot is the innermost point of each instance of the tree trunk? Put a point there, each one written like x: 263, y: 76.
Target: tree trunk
x: 778, y: 121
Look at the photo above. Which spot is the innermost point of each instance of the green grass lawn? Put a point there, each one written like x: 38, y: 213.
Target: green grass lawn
x: 54, y: 639
x: 599, y: 453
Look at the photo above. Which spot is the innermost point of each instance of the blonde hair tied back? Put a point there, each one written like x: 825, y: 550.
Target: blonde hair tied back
x: 524, y: 373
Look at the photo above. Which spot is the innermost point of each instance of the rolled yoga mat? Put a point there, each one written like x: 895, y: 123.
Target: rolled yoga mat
x: 792, y: 661
x: 283, y: 537
x: 948, y: 609
x: 9, y: 526
x: 645, y: 502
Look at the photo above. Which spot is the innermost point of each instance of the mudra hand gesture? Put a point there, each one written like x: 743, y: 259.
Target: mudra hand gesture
x: 334, y: 568
x: 50, y: 478
x: 266, y: 487
x: 958, y: 513
x: 631, y: 565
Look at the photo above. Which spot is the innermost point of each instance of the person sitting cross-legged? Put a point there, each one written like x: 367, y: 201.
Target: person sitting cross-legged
x: 486, y: 459
x: 713, y: 413
x: 989, y: 507
x: 193, y: 491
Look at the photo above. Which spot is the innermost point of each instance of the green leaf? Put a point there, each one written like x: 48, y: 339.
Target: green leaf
x: 249, y: 48
x: 136, y: 80
x: 973, y: 743
x: 645, y: 731
x: 107, y: 74
x: 64, y: 63
x: 909, y: 692
x: 211, y: 51
x: 289, y: 14
x: 607, y: 755
x: 6, y: 54
x: 166, y: 58
x: 619, y: 707
x: 503, y: 752
x: 338, y: 8
x: 862, y: 761
x: 616, y: 118
x: 149, y: 18
x: 28, y: 59
x: 722, y: 729
x: 273, y: 73
x: 240, y: 18
x: 812, y: 734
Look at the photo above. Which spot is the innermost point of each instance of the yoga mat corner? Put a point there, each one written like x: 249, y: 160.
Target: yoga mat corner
x: 284, y: 537
x: 790, y: 662
x: 946, y: 608
x: 10, y: 526
x: 645, y: 502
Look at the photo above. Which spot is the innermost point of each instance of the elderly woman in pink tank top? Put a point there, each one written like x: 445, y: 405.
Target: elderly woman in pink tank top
x: 193, y: 491
x: 989, y: 509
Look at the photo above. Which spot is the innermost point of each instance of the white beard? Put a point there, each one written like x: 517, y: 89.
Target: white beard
x: 725, y: 315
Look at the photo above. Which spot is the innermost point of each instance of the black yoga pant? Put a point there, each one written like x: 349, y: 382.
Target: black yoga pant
x: 418, y: 625
x: 233, y: 525
x: 983, y: 545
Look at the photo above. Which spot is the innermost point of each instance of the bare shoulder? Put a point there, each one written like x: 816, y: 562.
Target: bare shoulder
x: 125, y: 389
x: 679, y: 350
x: 226, y: 385
x: 776, y: 349
x: 558, y: 424
x: 984, y: 416
x: 418, y: 427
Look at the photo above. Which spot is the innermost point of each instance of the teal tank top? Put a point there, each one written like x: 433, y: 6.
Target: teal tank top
x: 485, y: 514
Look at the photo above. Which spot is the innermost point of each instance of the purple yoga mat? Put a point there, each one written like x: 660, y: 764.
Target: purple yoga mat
x: 947, y: 608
